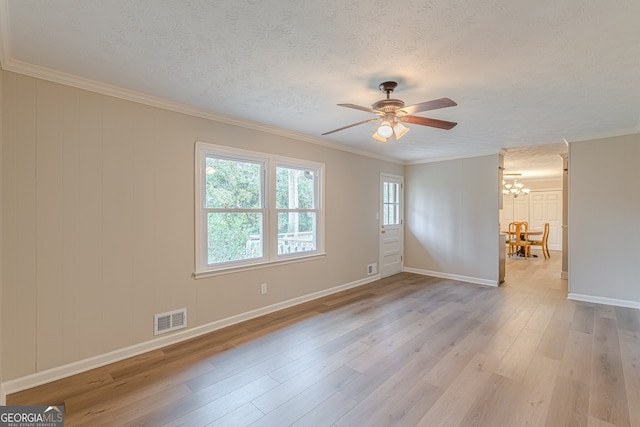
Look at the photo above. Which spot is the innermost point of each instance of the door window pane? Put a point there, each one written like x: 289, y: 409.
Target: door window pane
x: 390, y: 203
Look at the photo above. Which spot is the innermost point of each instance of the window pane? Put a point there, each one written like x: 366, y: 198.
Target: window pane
x: 295, y: 188
x: 232, y: 184
x: 296, y: 232
x: 233, y: 236
x: 391, y: 203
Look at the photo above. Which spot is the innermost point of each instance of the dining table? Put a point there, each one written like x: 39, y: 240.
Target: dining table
x: 524, y: 235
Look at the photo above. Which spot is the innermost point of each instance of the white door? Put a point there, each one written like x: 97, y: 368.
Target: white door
x: 521, y: 208
x: 513, y: 209
x: 391, y: 224
x: 546, y: 206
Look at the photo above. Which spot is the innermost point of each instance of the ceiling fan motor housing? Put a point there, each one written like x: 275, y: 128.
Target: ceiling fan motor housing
x: 388, y: 105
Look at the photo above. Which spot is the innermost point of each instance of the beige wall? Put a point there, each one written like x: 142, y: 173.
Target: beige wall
x: 452, y: 218
x: 1, y: 231
x: 98, y: 224
x: 604, y: 219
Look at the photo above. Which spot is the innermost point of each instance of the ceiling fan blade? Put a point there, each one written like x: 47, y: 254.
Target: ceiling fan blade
x: 358, y: 107
x: 424, y: 121
x: 349, y: 126
x: 428, y: 105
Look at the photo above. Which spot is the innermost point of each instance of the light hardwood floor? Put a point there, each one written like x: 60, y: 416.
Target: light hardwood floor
x: 407, y: 350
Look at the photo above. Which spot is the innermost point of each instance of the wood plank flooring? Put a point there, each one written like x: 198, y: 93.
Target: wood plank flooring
x: 407, y: 350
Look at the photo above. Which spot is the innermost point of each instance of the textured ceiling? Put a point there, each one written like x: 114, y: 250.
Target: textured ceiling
x: 523, y: 73
x: 535, y: 162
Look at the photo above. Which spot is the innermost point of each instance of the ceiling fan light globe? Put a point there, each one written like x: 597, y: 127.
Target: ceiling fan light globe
x: 400, y: 130
x: 378, y: 137
x: 385, y: 130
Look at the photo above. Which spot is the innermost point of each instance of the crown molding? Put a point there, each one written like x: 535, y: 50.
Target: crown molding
x: 601, y: 135
x: 42, y: 73
x: 456, y: 157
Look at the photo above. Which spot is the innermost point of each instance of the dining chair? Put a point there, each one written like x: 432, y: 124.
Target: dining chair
x: 543, y: 242
x: 524, y: 229
x: 517, y: 240
x: 511, y: 234
x: 511, y: 237
x: 524, y: 225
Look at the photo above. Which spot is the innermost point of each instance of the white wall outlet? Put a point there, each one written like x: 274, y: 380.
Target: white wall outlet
x: 372, y: 269
x: 263, y: 288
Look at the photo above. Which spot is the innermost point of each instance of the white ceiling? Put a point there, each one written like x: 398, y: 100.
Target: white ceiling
x: 523, y: 73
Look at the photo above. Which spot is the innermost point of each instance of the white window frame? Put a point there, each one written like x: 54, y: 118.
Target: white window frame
x: 270, y: 213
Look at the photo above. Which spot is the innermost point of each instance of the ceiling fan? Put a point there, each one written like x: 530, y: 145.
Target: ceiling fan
x: 393, y: 113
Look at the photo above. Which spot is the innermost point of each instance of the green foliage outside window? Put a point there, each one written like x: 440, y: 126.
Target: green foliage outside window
x: 294, y: 190
x: 235, y: 218
x: 231, y: 184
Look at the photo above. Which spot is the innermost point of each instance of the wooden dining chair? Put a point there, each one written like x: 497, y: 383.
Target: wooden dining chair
x: 511, y: 238
x: 511, y: 234
x: 517, y: 240
x: 524, y: 225
x: 543, y: 242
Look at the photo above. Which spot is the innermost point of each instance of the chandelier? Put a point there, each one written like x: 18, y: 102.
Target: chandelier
x: 514, y: 188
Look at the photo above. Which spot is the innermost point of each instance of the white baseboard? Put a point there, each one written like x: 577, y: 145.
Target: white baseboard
x: 475, y: 280
x: 53, y: 374
x: 604, y: 300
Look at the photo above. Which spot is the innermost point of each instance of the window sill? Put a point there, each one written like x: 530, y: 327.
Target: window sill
x: 230, y: 270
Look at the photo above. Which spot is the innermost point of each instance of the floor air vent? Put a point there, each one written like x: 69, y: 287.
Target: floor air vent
x: 169, y: 321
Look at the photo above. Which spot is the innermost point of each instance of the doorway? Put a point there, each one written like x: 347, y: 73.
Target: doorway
x: 544, y: 172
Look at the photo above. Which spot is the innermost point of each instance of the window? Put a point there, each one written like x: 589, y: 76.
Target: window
x: 253, y: 209
x: 391, y: 203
